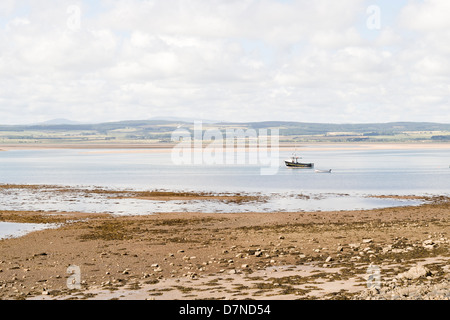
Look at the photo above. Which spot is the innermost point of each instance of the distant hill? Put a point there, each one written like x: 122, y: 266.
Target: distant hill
x: 286, y: 128
x: 180, y: 119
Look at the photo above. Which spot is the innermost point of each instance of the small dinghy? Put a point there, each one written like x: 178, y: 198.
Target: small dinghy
x: 323, y: 171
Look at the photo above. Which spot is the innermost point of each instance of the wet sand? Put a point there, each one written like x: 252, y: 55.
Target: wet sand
x: 319, y: 255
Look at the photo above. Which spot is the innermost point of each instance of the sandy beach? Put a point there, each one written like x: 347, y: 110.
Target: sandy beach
x: 316, y: 255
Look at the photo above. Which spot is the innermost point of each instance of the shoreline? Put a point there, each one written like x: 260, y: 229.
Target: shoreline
x: 131, y: 147
x: 193, y: 255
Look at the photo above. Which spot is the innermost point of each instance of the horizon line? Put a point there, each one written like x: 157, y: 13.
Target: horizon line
x: 188, y: 120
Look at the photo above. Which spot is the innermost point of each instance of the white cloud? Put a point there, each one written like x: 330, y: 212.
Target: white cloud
x: 223, y: 59
x: 427, y: 15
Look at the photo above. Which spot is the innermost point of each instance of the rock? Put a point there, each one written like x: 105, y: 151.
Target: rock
x: 155, y: 265
x: 258, y: 254
x: 281, y: 237
x: 367, y: 240
x: 245, y: 266
x: 415, y: 273
x: 158, y: 269
x: 340, y: 248
x: 329, y: 259
x: 429, y: 244
x: 40, y: 254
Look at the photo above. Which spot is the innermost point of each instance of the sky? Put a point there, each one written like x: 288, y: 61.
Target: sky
x: 346, y: 61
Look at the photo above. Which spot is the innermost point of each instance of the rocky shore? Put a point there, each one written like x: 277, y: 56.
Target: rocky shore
x: 392, y: 253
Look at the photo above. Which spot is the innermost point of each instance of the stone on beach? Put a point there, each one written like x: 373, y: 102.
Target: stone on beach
x: 415, y: 273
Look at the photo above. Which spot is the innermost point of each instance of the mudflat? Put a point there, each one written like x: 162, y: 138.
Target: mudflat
x: 315, y: 255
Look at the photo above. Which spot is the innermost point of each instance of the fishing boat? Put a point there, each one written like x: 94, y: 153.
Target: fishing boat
x: 294, y: 163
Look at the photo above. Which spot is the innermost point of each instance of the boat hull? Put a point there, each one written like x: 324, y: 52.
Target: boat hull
x: 299, y: 164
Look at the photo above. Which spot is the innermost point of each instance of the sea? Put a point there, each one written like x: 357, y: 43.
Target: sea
x: 357, y: 174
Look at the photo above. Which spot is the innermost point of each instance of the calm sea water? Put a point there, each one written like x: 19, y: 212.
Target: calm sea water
x: 355, y: 174
x: 420, y: 171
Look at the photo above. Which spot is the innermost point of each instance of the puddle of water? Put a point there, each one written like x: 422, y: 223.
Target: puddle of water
x: 15, y: 230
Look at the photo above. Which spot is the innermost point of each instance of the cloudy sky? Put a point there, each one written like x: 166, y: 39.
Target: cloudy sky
x: 343, y: 61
